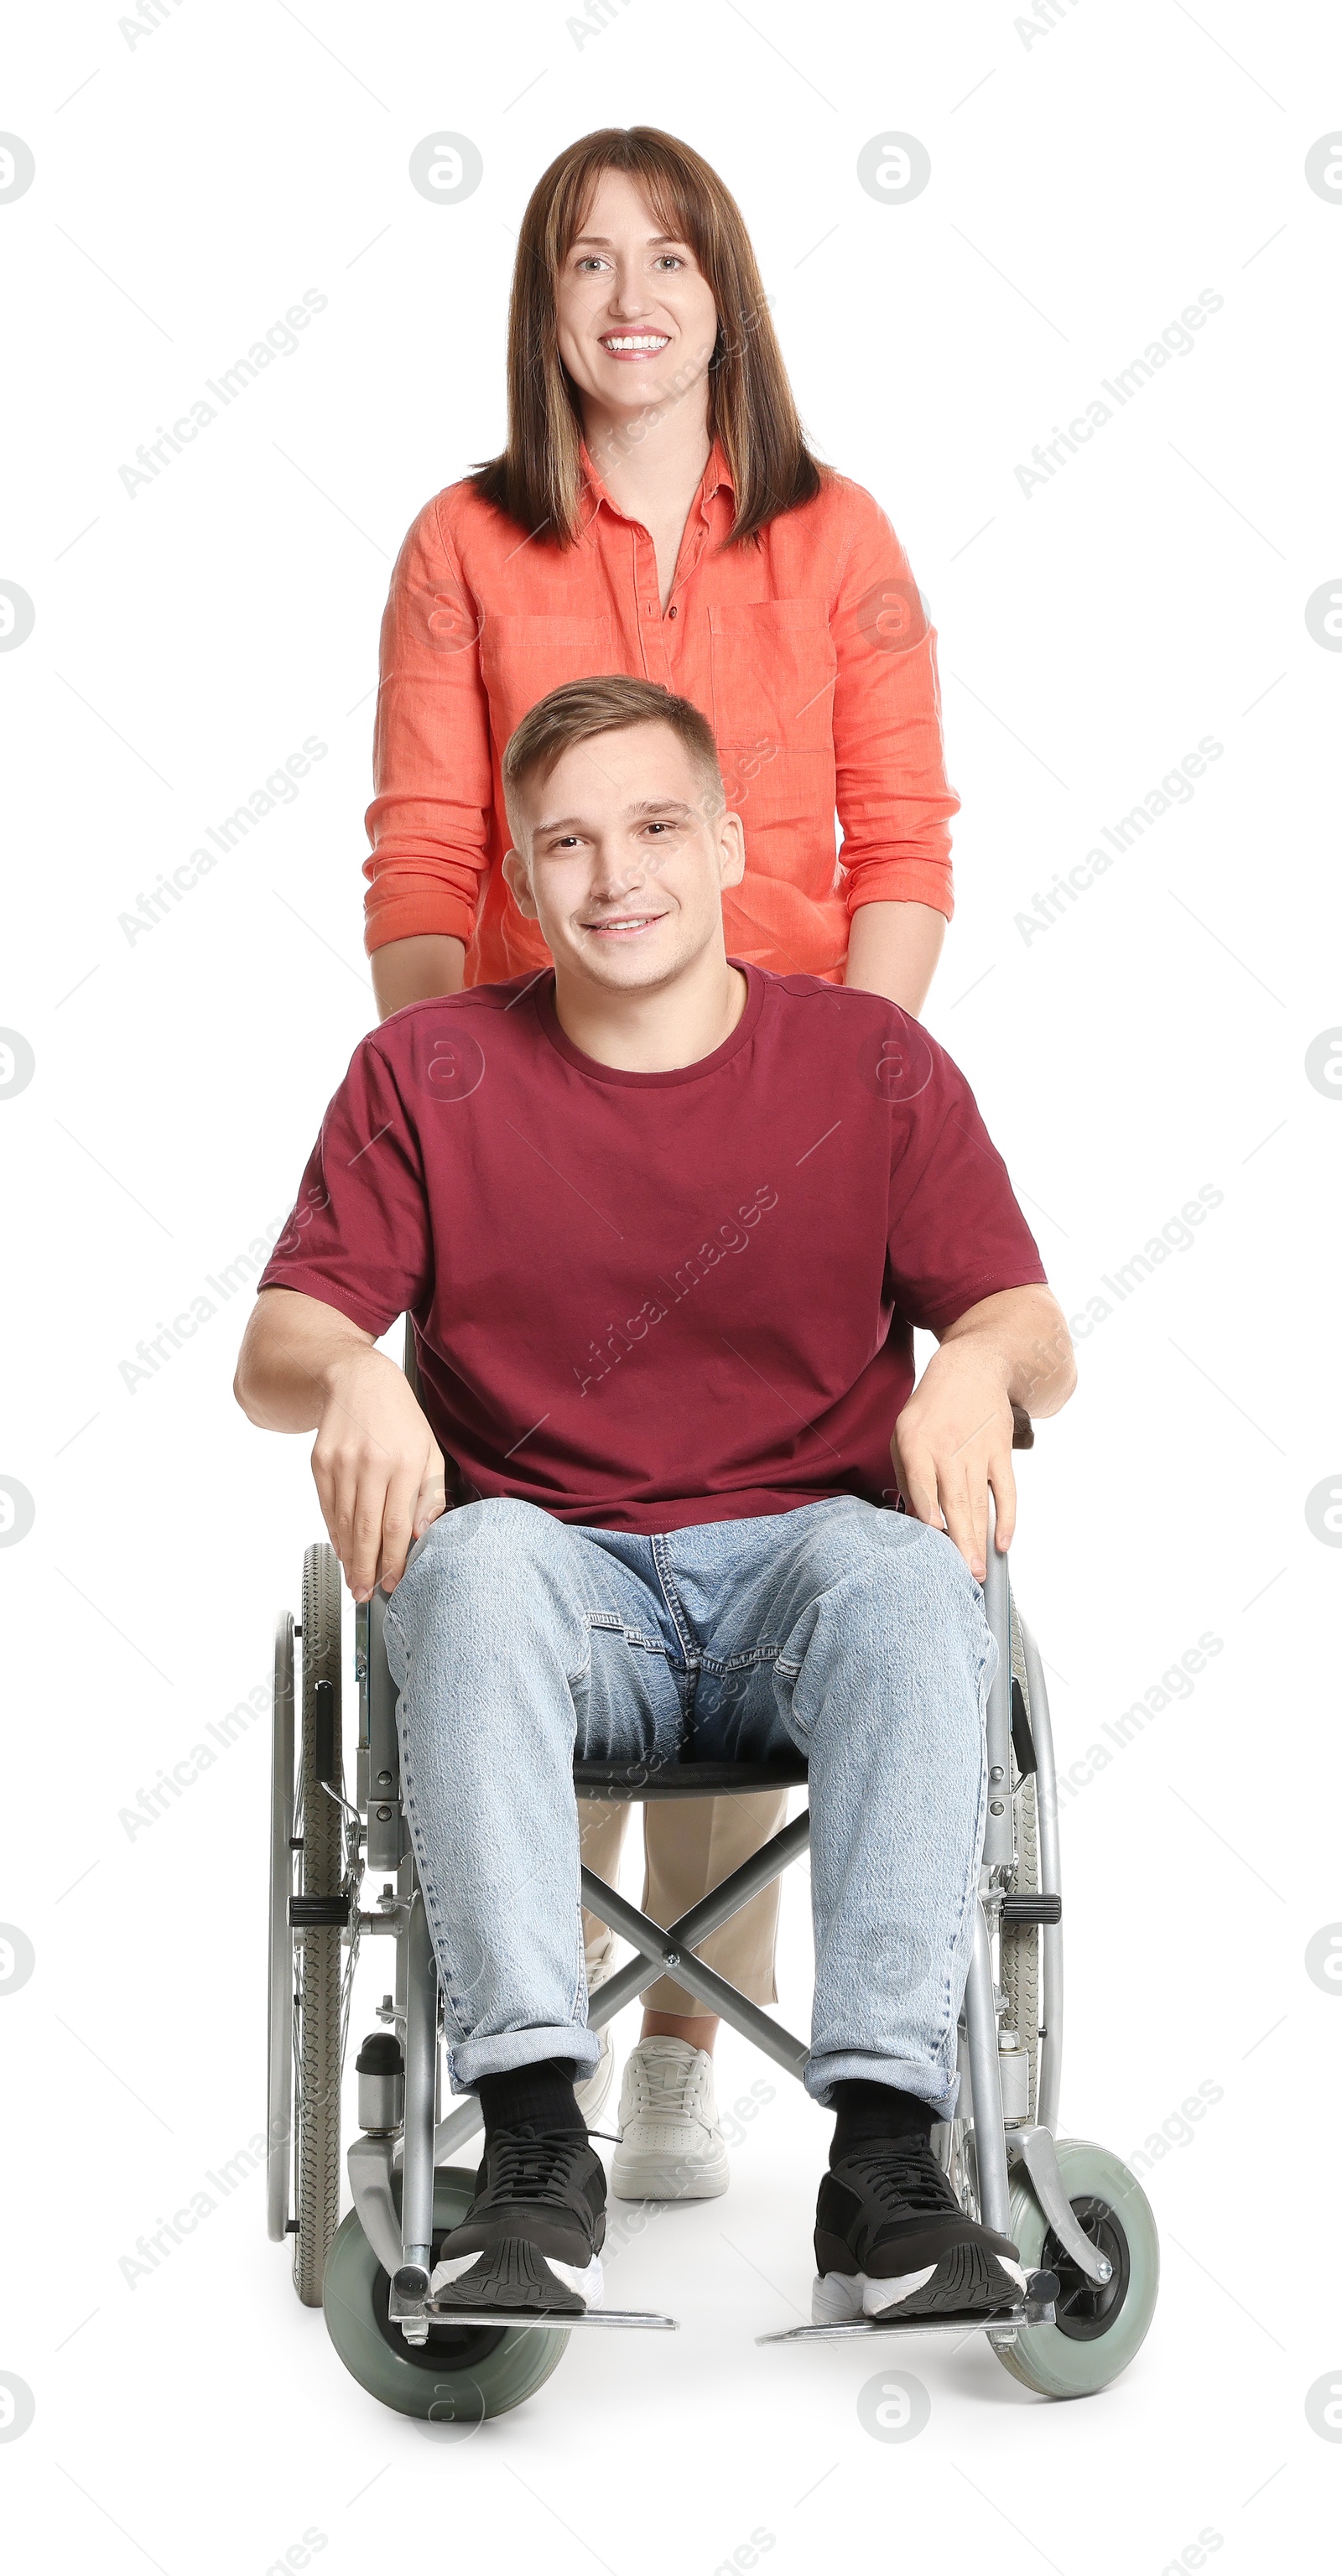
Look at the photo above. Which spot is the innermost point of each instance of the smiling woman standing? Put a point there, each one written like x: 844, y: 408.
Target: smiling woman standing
x: 657, y: 512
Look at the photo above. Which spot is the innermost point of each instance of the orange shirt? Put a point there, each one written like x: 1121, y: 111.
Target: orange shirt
x: 808, y: 651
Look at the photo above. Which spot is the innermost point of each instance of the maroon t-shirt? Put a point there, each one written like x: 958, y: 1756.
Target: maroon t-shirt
x: 645, y: 1300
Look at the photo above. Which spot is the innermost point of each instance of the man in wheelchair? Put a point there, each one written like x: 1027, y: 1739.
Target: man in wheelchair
x: 665, y: 1225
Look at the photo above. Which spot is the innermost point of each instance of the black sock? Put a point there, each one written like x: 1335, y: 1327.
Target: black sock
x: 539, y: 2096
x: 871, y: 2114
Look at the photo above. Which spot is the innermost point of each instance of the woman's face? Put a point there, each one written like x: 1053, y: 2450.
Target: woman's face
x: 637, y: 321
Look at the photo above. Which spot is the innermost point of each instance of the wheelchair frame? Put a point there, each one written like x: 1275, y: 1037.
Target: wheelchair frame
x: 1006, y: 2120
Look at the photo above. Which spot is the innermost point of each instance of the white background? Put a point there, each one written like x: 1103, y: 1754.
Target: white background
x: 1087, y: 183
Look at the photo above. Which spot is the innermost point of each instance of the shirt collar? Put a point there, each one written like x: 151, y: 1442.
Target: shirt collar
x: 717, y: 476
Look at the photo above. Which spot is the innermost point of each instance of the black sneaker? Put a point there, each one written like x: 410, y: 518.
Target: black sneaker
x: 532, y: 2237
x: 891, y: 2238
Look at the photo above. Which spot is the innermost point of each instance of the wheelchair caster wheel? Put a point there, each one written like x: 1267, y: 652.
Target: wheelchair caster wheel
x: 462, y: 2374
x: 1096, y: 2331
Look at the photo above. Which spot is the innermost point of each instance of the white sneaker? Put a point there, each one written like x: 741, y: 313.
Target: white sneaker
x: 671, y: 2147
x: 591, y: 2093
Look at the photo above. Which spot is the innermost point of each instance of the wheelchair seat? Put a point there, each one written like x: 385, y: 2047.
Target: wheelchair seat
x: 638, y: 1781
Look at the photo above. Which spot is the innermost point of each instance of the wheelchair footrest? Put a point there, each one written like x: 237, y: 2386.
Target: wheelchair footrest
x: 1036, y: 2309
x: 552, y: 2321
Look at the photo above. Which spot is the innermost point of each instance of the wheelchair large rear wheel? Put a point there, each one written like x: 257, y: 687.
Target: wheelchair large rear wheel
x: 463, y: 2373
x: 1097, y: 2331
x: 318, y: 1945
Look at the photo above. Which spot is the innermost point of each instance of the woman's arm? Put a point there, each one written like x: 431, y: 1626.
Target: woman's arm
x: 892, y: 949
x: 894, y: 802
x: 414, y: 970
x: 432, y: 769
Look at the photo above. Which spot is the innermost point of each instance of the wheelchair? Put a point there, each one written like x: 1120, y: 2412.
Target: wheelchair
x: 1084, y: 2227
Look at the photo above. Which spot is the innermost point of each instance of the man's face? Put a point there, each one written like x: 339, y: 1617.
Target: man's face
x: 622, y: 859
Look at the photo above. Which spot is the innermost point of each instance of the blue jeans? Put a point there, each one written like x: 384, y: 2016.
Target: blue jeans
x: 519, y: 1643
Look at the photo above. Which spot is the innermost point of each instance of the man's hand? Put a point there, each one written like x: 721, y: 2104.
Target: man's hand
x: 378, y: 1469
x: 952, y: 1443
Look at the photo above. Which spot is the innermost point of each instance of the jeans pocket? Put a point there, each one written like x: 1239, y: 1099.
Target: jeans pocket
x: 785, y: 1678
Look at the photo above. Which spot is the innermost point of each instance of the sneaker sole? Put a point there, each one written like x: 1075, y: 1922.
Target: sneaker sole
x: 513, y: 2275
x: 650, y: 2174
x: 966, y: 2282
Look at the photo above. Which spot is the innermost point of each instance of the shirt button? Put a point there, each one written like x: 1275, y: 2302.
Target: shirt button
x: 671, y: 612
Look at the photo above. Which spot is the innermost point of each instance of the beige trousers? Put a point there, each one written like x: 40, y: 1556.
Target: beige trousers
x: 690, y: 1845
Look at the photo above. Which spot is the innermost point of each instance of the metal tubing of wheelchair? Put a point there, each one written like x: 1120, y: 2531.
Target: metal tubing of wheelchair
x: 999, y: 1841
x: 421, y: 2052
x: 703, y: 1983
x: 454, y: 2131
x: 405, y: 1889
x: 1050, y: 1880
x: 384, y: 1753
x: 692, y: 1928
x: 985, y: 2077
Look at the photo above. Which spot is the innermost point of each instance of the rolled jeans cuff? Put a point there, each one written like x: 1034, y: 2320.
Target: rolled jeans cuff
x: 928, y: 2083
x: 469, y: 2059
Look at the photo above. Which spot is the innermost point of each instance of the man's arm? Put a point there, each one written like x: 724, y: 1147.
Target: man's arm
x: 952, y: 1442
x: 416, y: 970
x: 893, y: 949
x: 377, y: 1467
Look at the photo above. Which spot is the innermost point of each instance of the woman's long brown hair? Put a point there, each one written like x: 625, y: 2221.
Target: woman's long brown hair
x: 537, y: 479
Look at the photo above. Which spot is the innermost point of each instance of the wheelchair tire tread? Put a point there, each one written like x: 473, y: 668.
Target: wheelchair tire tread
x: 318, y: 1960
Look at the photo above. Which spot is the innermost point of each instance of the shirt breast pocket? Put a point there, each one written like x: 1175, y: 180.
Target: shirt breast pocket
x: 523, y: 658
x: 774, y: 665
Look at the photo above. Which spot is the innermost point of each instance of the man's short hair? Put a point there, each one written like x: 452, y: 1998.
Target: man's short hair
x: 581, y: 709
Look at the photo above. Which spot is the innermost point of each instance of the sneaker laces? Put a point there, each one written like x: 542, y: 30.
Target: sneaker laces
x: 535, y: 2164
x: 670, y: 2084
x: 904, y: 2177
